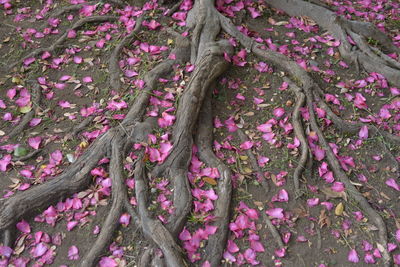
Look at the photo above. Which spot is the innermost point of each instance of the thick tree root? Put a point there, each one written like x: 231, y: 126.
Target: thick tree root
x: 259, y: 173
x: 118, y: 194
x: 75, y: 177
x: 153, y: 229
x: 299, y: 133
x: 113, y: 66
x: 63, y: 37
x: 210, y: 66
x: 71, y: 181
x: 340, y: 27
x: 37, y: 96
x: 216, y: 243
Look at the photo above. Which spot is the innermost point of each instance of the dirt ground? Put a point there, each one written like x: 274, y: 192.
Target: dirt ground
x: 321, y: 226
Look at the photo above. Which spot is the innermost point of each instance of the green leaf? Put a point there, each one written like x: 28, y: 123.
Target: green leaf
x: 20, y: 151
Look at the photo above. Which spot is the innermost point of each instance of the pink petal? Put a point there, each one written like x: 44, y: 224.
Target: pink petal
x: 338, y: 187
x: 246, y: 145
x: 39, y: 250
x: 107, y: 262
x: 87, y: 79
x: 185, y: 235
x: 393, y: 184
x: 398, y: 235
x: 265, y: 128
x: 319, y: 153
x: 311, y: 202
x: 6, y: 251
x: 232, y: 247
x: 4, y: 162
x: 78, y: 59
x: 275, y: 212
x: 353, y: 256
x: 73, y: 253
x: 282, y: 196
x: 34, y: 122
x: 24, y: 227
x: 71, y: 225
x: 278, y: 112
x: 125, y: 219
x: 34, y: 142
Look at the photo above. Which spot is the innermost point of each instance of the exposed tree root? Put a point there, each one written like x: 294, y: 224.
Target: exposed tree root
x: 9, y: 237
x: 153, y: 229
x: 37, y: 96
x: 271, y: 228
x: 340, y: 28
x: 81, y: 126
x: 299, y: 133
x: 209, y: 67
x: 60, y: 11
x: 216, y: 243
x: 113, y: 66
x: 259, y: 173
x: 72, y: 180
x: 308, y: 86
x: 195, y: 109
x: 341, y: 175
x: 118, y: 195
x: 75, y: 177
x: 354, y: 128
x: 351, y: 127
x: 63, y: 37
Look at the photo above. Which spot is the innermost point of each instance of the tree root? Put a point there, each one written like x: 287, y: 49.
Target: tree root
x: 174, y: 8
x: 9, y: 237
x: 210, y: 66
x: 299, y: 133
x: 118, y: 194
x: 113, y: 66
x: 81, y: 126
x: 62, y: 38
x: 152, y: 228
x: 340, y: 27
x: 60, y: 11
x: 308, y: 86
x: 37, y: 96
x: 216, y: 243
x: 253, y: 161
x: 337, y: 170
x: 74, y: 178
x: 271, y: 228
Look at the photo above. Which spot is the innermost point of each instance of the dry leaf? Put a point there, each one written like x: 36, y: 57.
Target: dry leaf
x: 339, y: 209
x: 247, y: 170
x: 323, y: 219
x: 243, y: 157
x: 210, y: 180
